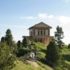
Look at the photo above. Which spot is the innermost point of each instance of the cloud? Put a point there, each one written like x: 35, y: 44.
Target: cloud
x: 38, y: 16
x: 64, y: 19
x: 42, y: 16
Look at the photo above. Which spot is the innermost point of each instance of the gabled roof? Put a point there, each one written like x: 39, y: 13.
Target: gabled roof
x: 41, y: 24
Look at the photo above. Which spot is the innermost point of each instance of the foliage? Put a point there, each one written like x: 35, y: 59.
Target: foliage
x: 24, y: 42
x: 22, y: 52
x: 3, y: 39
x: 6, y: 57
x: 69, y: 46
x: 59, y: 36
x: 9, y: 37
x: 22, y: 47
x: 53, y: 56
x: 19, y: 44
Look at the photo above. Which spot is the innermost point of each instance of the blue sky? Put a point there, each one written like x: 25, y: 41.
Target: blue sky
x: 19, y: 15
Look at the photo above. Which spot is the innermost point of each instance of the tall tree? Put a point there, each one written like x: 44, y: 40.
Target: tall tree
x: 59, y: 34
x: 8, y: 37
x: 52, y: 54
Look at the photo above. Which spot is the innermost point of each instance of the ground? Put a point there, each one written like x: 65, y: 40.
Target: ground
x: 30, y: 66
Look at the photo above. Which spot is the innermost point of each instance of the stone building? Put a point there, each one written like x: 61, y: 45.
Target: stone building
x: 40, y: 32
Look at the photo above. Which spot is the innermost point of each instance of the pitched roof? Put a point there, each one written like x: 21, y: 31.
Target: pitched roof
x: 41, y: 24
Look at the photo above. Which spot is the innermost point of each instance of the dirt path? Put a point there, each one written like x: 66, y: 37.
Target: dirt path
x: 33, y: 63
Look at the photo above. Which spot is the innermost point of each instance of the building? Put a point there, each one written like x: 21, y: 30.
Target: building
x: 40, y: 32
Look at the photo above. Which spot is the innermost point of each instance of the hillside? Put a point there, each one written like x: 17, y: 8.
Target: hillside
x: 22, y: 64
x: 28, y: 66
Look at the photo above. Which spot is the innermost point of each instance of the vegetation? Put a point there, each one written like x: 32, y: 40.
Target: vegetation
x: 13, y: 55
x: 6, y: 57
x: 25, y: 66
x: 69, y: 46
x: 8, y: 37
x: 24, y: 42
x: 53, y: 56
x: 59, y: 36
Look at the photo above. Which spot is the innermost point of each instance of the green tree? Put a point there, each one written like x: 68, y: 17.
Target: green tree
x: 19, y: 44
x: 8, y: 37
x: 6, y: 57
x: 21, y: 51
x: 58, y: 36
x: 3, y: 39
x: 69, y: 46
x: 53, y: 56
x: 24, y: 42
x: 9, y: 41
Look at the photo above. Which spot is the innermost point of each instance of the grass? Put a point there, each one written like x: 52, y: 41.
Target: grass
x: 65, y: 51
x: 24, y: 66
x: 40, y: 46
x: 21, y: 65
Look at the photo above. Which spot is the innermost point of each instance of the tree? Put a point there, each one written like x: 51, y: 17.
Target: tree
x: 58, y: 36
x: 69, y: 46
x: 9, y: 41
x: 3, y: 39
x: 24, y: 42
x: 19, y: 44
x: 52, y: 55
x: 6, y: 57
x: 8, y: 37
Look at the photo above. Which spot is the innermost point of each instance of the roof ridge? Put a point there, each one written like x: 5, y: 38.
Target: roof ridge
x: 38, y: 24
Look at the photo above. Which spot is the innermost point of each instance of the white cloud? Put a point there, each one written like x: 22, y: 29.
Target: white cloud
x: 42, y: 16
x: 51, y: 16
x: 38, y: 16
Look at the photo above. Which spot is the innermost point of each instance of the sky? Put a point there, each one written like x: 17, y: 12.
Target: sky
x: 19, y: 15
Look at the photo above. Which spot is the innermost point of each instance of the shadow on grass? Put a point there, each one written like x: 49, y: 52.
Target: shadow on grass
x: 66, y: 57
x: 43, y: 50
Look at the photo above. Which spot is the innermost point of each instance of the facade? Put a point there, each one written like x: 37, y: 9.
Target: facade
x: 40, y: 32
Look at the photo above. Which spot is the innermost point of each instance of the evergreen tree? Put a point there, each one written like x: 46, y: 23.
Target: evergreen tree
x: 24, y: 42
x: 19, y: 44
x: 53, y: 56
x: 8, y: 37
x: 9, y: 41
x: 3, y: 39
x: 58, y: 36
x: 69, y: 46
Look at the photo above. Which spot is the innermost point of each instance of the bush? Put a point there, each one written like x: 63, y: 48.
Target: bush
x: 6, y: 57
x: 69, y: 46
